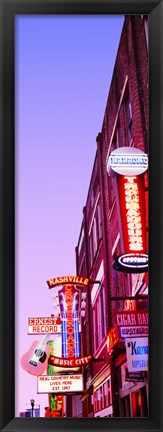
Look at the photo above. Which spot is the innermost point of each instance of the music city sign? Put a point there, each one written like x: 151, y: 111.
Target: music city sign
x: 69, y: 362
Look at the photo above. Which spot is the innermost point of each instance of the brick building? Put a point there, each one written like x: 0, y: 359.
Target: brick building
x: 107, y: 391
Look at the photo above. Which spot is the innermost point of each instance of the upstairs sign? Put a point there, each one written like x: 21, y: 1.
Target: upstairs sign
x: 132, y: 324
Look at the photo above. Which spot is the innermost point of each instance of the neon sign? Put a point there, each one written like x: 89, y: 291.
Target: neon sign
x: 132, y: 263
x: 113, y: 338
x: 132, y: 208
x: 69, y: 305
x: 69, y: 362
x: 62, y: 280
x: 70, y: 323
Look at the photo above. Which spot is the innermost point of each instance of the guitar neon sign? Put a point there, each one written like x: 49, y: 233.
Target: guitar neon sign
x: 69, y: 305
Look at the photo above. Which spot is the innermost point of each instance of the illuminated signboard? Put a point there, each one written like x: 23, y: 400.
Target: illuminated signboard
x: 128, y: 161
x: 55, y: 401
x: 137, y: 354
x: 131, y: 191
x: 131, y: 263
x: 132, y: 318
x: 132, y: 323
x: 60, y: 383
x: 69, y: 362
x: 44, y: 325
x: 62, y: 280
x: 112, y: 339
x: 69, y: 306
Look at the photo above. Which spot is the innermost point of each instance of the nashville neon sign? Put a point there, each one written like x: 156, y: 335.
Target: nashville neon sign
x: 69, y: 295
x: 62, y: 280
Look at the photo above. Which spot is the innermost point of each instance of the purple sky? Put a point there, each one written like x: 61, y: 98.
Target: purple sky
x: 64, y: 66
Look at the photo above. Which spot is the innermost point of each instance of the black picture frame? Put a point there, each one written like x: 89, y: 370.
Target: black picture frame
x: 8, y: 10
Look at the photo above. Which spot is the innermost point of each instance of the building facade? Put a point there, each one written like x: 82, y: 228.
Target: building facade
x: 109, y: 388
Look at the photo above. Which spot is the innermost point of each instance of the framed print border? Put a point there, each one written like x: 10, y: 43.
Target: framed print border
x: 8, y: 10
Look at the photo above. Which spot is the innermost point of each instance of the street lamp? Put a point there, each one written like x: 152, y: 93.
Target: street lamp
x: 32, y: 404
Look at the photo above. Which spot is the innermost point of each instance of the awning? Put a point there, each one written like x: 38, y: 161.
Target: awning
x: 85, y: 396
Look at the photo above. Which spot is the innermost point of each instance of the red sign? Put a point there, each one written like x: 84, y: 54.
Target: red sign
x: 127, y: 318
x: 62, y: 280
x: 113, y: 338
x: 44, y: 325
x: 131, y: 192
x: 69, y: 362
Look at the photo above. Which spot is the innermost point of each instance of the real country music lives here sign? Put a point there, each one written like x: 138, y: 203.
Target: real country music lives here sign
x: 59, y: 383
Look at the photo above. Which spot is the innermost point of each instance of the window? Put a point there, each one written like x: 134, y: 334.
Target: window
x: 129, y: 123
x: 125, y: 407
x: 95, y: 234
x: 145, y: 21
x: 118, y: 137
x: 99, y: 319
x: 111, y: 190
x: 119, y: 376
x: 102, y: 396
x: 81, y: 241
x: 102, y: 313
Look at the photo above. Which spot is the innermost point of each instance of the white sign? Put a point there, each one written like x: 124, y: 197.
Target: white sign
x: 129, y: 331
x: 44, y: 325
x: 137, y: 354
x: 128, y: 161
x: 134, y: 261
x: 59, y: 383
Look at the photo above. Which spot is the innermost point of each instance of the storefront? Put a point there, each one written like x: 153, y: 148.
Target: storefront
x: 133, y: 397
x: 102, y: 395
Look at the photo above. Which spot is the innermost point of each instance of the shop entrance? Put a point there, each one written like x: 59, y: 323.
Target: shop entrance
x: 139, y: 403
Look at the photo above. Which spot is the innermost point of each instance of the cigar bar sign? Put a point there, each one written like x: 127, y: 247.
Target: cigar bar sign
x: 60, y: 383
x: 44, y: 325
x: 69, y: 362
x: 132, y: 324
x: 64, y: 280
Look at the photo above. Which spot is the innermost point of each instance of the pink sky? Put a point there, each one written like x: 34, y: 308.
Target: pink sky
x: 64, y: 66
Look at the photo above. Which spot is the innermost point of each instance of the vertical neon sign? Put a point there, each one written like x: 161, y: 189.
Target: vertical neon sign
x: 69, y: 305
x: 131, y: 192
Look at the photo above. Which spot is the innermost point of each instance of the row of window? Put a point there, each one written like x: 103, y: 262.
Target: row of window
x: 102, y: 396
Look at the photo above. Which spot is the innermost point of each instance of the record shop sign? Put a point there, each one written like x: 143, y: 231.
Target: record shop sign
x: 127, y: 161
